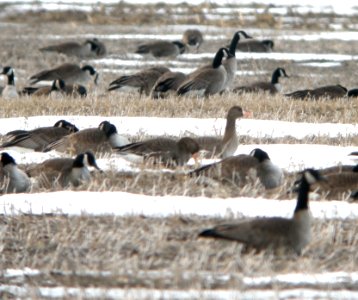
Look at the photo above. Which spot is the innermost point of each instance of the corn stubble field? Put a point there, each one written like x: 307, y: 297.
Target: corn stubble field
x: 134, y: 248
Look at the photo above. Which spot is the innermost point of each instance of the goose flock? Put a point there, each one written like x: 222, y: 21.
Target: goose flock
x: 218, y: 77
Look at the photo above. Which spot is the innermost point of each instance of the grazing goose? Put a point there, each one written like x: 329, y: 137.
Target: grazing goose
x: 13, y: 179
x: 89, y: 48
x: 327, y: 92
x: 9, y: 91
x: 169, y: 81
x: 275, y: 233
x: 65, y: 171
x: 162, y: 48
x: 58, y: 87
x: 38, y: 139
x: 164, y: 150
x: 255, y: 46
x: 101, y: 139
x: 230, y: 63
x: 70, y: 73
x: 193, y: 38
x: 352, y: 93
x: 207, y: 81
x: 142, y: 81
x: 272, y: 87
x: 227, y: 145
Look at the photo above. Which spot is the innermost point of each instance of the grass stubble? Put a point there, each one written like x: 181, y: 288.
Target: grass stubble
x: 165, y: 253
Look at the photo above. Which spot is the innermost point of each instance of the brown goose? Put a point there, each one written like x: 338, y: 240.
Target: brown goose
x: 89, y: 48
x: 64, y: 171
x: 142, y: 81
x: 58, y: 88
x: 9, y: 92
x: 169, y: 81
x: 101, y: 139
x: 253, y: 45
x: 275, y: 233
x: 193, y: 38
x: 164, y: 150
x: 327, y: 92
x: 272, y: 87
x: 162, y: 48
x: 70, y: 73
x: 227, y: 145
x: 38, y: 139
x: 207, y: 81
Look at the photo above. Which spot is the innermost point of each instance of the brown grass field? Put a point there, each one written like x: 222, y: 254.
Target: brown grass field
x: 133, y: 248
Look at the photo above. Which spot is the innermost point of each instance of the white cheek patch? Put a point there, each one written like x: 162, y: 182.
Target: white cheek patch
x: 85, y: 160
x: 310, y: 178
x: 281, y: 73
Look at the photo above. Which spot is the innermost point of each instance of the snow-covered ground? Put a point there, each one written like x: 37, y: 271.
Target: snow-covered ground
x: 290, y: 157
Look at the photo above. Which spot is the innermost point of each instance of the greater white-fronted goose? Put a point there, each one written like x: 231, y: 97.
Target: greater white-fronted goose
x: 272, y: 87
x: 101, y: 139
x: 13, y: 179
x: 9, y: 91
x: 193, y: 38
x: 142, y: 81
x: 163, y: 150
x: 207, y: 81
x: 227, y: 145
x: 162, y: 48
x: 327, y: 92
x: 70, y: 73
x: 230, y: 63
x: 89, y: 48
x: 38, y: 139
x: 254, y: 45
x: 169, y: 81
x: 275, y: 233
x: 64, y: 171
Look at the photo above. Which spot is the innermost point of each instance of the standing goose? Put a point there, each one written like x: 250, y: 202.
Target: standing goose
x: 207, y: 81
x: 230, y: 63
x: 193, y: 38
x: 260, y: 233
x: 164, y: 150
x: 65, y: 171
x: 227, y: 145
x: 162, y: 48
x: 142, y: 81
x: 38, y: 139
x: 9, y: 91
x: 89, y: 48
x: 272, y: 87
x: 101, y: 139
x: 327, y: 92
x: 14, y: 179
x: 169, y: 81
x: 253, y: 45
x: 70, y: 73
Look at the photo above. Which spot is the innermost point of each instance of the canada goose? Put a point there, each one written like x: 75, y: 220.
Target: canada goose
x: 253, y: 45
x: 101, y: 139
x: 38, y: 139
x: 207, y: 81
x: 162, y: 48
x: 89, y: 48
x: 65, y: 171
x: 164, y: 150
x: 352, y: 93
x: 9, y: 91
x: 14, y: 179
x: 230, y: 63
x: 327, y: 92
x: 227, y: 145
x: 169, y: 81
x: 272, y: 87
x: 58, y: 87
x: 193, y: 38
x: 70, y: 73
x: 142, y: 81
x: 260, y: 233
